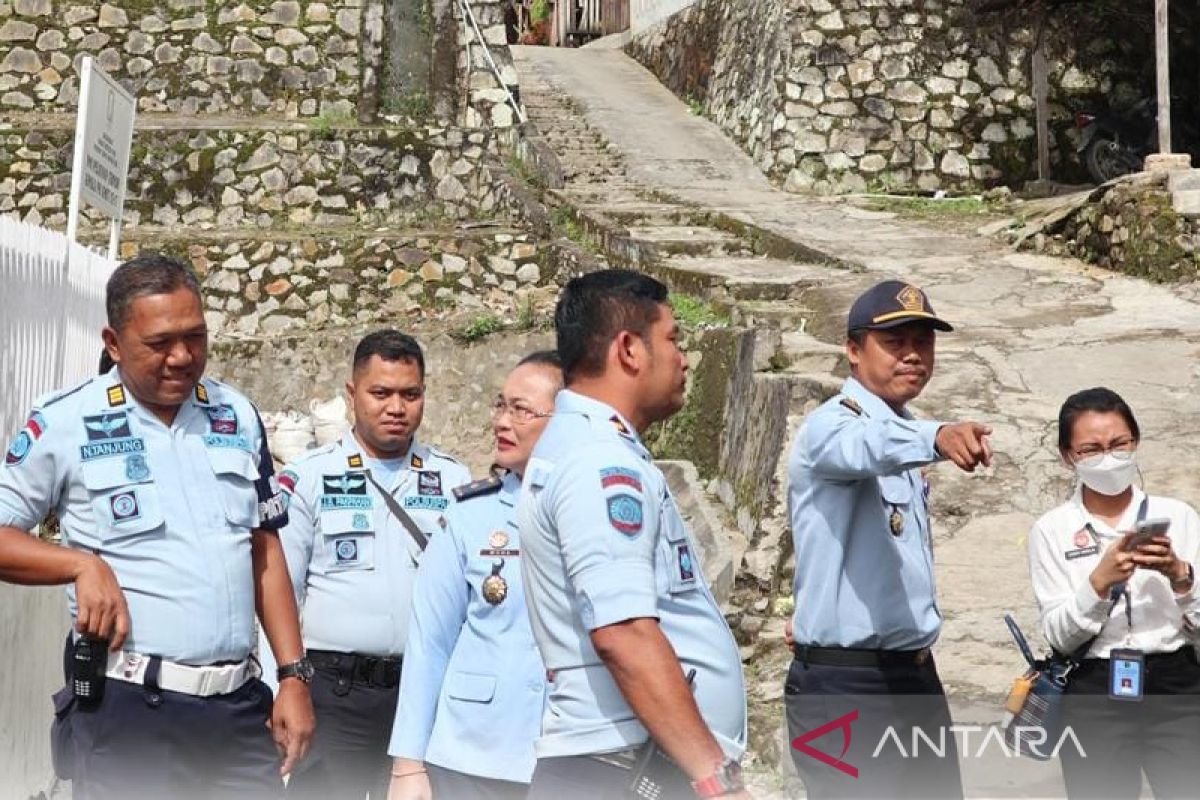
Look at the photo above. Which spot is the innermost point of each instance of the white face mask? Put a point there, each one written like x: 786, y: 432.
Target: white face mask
x: 1107, y: 474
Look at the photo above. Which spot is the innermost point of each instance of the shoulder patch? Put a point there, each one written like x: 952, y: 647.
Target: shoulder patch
x: 354, y: 461
x: 116, y: 395
x: 851, y: 404
x: 477, y: 488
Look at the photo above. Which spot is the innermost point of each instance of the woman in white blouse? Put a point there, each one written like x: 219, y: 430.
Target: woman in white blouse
x: 1133, y: 702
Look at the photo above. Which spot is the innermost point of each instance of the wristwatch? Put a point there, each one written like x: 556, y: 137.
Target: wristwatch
x: 726, y: 780
x: 302, y: 669
x: 1191, y: 577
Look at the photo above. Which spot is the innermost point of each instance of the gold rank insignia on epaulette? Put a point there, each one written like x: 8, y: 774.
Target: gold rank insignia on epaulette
x: 201, y: 393
x: 417, y: 461
x: 116, y: 395
x: 852, y: 405
x: 477, y: 488
x: 621, y: 427
x: 355, y: 461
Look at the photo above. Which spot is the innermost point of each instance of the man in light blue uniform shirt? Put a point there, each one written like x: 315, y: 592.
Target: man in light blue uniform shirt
x: 866, y: 609
x: 165, y: 492
x: 473, y: 687
x: 620, y: 609
x: 361, y: 512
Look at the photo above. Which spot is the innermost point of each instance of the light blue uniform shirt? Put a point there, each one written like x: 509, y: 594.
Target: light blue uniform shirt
x: 604, y: 543
x: 352, y: 562
x: 854, y: 467
x: 170, y: 509
x: 473, y: 684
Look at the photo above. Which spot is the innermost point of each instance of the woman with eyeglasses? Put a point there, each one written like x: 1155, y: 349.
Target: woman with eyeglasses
x: 472, y: 684
x: 1113, y: 572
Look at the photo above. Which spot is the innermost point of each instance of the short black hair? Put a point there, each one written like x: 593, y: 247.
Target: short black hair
x: 597, y: 306
x: 1099, y: 399
x: 390, y: 345
x: 147, y: 274
x: 545, y: 358
x: 106, y: 362
x: 858, y: 336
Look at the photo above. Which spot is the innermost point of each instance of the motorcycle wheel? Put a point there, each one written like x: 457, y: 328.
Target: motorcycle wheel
x: 1106, y: 159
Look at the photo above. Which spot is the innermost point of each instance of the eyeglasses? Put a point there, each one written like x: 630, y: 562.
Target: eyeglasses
x: 1121, y: 449
x: 520, y: 412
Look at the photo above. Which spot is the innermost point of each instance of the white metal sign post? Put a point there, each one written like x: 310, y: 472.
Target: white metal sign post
x: 103, y: 136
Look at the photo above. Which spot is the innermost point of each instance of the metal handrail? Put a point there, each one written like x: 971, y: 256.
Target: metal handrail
x: 487, y: 52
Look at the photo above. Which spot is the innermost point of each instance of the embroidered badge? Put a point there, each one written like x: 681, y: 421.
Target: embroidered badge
x: 288, y: 480
x: 429, y: 483
x: 355, y: 461
x: 136, y: 468
x: 620, y: 476
x: 201, y: 393
x: 361, y: 522
x: 222, y: 419
x: 116, y: 395
x: 345, y: 551
x: 625, y: 513
x: 102, y: 427
x: 345, y: 491
x: 417, y: 462
x: 19, y: 449
x: 687, y: 571
x: 1081, y: 538
x: 498, y: 539
x: 124, y: 506
x: 36, y: 425
x: 911, y: 299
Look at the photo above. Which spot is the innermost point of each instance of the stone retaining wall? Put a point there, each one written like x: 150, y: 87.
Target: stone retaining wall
x: 229, y: 177
x: 850, y: 95
x: 291, y: 57
x: 270, y: 285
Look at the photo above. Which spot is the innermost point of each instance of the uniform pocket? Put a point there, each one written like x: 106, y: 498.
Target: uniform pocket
x: 121, y: 505
x: 236, y: 472
x: 349, y: 551
x: 472, y: 687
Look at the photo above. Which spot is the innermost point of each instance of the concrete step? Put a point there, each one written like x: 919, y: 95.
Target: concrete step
x: 1183, y: 180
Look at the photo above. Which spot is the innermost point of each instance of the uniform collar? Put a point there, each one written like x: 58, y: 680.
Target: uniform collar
x: 872, y: 404
x: 510, y: 487
x: 417, y: 456
x: 1128, y: 517
x: 570, y: 402
x: 118, y: 397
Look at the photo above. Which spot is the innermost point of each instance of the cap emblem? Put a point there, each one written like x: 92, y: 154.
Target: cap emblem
x: 911, y: 299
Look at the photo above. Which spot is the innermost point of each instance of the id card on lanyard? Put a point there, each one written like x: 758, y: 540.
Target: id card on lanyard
x: 1126, y: 666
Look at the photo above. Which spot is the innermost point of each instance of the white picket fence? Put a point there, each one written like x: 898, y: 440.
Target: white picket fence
x: 51, y: 315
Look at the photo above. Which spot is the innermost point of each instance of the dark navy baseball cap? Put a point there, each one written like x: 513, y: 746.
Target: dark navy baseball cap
x: 892, y: 303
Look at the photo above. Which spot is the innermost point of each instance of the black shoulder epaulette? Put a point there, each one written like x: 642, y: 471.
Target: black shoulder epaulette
x: 852, y: 404
x: 477, y: 488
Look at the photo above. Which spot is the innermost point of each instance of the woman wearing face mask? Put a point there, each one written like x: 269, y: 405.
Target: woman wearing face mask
x: 472, y: 685
x: 1132, y: 598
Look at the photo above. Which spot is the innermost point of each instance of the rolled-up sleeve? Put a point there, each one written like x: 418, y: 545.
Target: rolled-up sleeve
x: 607, y: 522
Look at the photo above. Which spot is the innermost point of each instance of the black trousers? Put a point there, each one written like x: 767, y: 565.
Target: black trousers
x: 1121, y: 740
x: 349, y: 757
x: 143, y: 744
x: 868, y: 715
x: 452, y: 785
x: 585, y: 777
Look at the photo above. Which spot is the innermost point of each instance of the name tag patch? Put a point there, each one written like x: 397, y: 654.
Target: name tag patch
x: 226, y: 440
x: 426, y: 503
x: 625, y: 514
x: 115, y: 447
x: 124, y: 506
x: 1082, y: 552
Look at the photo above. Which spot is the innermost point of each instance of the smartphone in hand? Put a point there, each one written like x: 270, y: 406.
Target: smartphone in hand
x: 1146, y: 530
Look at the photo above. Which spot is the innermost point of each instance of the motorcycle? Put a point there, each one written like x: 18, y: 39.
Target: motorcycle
x: 1113, y: 143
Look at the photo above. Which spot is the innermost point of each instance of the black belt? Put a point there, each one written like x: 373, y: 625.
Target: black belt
x: 371, y: 670
x: 853, y: 657
x: 1184, y: 653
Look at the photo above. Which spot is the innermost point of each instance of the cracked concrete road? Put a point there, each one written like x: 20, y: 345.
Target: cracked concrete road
x: 1031, y: 330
